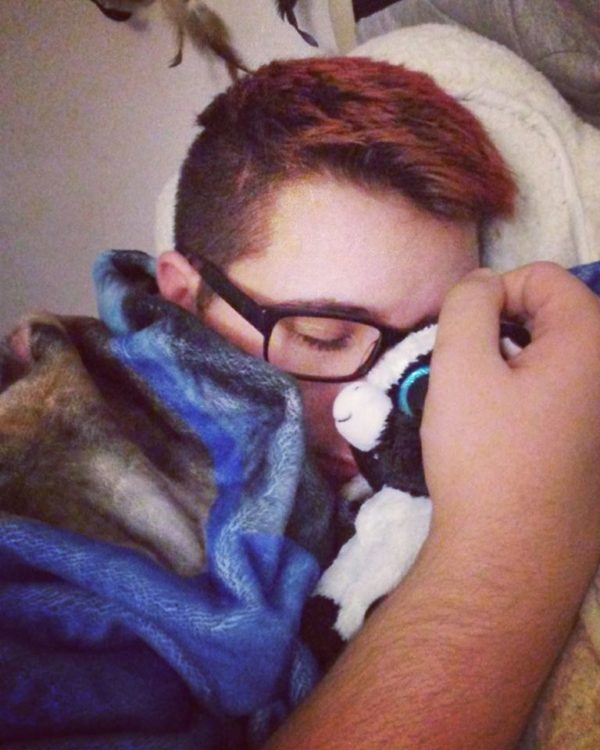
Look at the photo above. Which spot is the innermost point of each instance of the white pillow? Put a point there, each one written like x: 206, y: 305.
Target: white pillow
x: 554, y: 155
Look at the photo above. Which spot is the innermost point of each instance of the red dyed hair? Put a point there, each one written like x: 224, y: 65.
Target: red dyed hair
x: 372, y: 123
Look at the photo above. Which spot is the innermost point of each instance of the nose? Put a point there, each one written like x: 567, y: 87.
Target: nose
x: 348, y: 396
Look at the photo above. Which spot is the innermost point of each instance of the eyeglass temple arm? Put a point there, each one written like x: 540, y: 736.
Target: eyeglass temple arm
x: 241, y: 303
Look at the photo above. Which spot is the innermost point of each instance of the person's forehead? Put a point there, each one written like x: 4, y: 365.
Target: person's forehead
x: 341, y: 242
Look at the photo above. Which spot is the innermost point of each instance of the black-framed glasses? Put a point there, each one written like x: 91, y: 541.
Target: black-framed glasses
x: 321, y: 345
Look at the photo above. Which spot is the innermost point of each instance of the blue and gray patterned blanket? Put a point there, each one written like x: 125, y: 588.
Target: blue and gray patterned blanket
x: 160, y: 530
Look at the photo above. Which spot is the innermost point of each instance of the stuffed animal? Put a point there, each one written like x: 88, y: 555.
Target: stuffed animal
x: 381, y: 418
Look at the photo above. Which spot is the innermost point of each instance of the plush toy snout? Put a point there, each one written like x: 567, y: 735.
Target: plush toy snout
x: 360, y: 411
x: 380, y: 417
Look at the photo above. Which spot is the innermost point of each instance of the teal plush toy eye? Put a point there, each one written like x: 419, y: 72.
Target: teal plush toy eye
x: 412, y: 390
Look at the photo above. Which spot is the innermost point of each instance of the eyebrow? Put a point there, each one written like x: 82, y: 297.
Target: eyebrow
x: 321, y: 305
x: 328, y: 305
x: 325, y: 305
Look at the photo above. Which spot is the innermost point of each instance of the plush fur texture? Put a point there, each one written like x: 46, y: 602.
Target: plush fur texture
x: 381, y: 418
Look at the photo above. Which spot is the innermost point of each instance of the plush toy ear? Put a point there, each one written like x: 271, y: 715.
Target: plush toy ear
x: 410, y: 397
x: 360, y: 412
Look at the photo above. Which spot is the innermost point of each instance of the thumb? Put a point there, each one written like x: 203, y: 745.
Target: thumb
x: 466, y: 368
x: 469, y: 322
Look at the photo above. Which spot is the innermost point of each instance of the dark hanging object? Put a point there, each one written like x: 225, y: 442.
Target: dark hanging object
x: 113, y: 13
x: 192, y: 20
x: 205, y: 29
x: 285, y: 8
x: 364, y: 8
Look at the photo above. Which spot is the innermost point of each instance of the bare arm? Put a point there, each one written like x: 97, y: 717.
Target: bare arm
x: 455, y: 657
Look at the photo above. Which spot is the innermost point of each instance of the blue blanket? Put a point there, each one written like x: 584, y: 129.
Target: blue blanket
x: 161, y: 528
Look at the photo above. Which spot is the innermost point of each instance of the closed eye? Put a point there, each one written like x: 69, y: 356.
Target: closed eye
x: 322, y: 334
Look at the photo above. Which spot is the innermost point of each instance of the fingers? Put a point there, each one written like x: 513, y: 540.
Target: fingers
x: 562, y: 315
x: 469, y: 323
x: 466, y: 357
x: 555, y: 306
x: 549, y: 299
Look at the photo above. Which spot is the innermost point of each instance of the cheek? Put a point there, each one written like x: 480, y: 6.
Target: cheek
x: 318, y: 401
x: 219, y: 316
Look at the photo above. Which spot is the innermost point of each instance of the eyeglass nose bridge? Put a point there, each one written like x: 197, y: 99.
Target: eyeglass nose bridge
x: 265, y: 320
x: 388, y: 338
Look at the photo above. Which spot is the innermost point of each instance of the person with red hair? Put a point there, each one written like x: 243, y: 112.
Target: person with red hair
x: 327, y: 206
x: 343, y: 184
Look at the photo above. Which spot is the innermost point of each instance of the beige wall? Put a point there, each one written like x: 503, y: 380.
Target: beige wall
x: 93, y: 123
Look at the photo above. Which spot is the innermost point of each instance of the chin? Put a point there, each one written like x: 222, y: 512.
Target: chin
x: 338, y: 470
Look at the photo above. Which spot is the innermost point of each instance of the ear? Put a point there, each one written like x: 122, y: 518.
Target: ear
x: 178, y: 281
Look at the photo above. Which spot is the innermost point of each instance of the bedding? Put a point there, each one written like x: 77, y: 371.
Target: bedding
x: 560, y: 39
x: 553, y: 154
x: 160, y: 529
x: 160, y: 522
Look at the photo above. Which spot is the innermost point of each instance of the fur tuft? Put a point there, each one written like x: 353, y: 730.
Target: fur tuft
x: 205, y: 29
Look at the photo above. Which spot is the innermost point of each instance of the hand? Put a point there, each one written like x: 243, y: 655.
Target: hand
x: 454, y: 658
x: 512, y: 449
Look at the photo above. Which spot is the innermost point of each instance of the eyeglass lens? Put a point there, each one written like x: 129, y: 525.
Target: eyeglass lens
x: 321, y: 347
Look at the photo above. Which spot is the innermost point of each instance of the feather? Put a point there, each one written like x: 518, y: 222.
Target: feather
x: 285, y: 8
x: 206, y: 31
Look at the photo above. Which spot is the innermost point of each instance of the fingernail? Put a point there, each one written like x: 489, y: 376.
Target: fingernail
x: 485, y: 275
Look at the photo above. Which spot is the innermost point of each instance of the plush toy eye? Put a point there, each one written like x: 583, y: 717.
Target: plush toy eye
x: 412, y: 391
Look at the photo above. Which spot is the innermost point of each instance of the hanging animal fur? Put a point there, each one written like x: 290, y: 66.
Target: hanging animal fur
x: 285, y: 8
x: 193, y: 19
x: 206, y: 31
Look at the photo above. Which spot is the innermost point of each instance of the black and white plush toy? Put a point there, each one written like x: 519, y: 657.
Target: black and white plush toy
x: 381, y: 418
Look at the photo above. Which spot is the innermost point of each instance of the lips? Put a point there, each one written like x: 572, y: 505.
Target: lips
x: 339, y: 469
